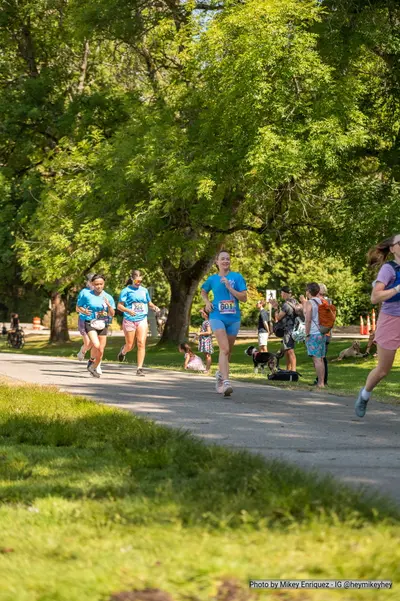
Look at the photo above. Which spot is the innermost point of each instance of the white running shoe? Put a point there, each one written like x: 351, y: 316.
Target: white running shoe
x: 227, y: 388
x: 93, y: 372
x: 219, y: 383
x: 99, y: 370
x: 81, y: 354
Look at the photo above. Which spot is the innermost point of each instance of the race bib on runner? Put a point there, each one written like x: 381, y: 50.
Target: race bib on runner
x: 138, y: 307
x: 227, y: 307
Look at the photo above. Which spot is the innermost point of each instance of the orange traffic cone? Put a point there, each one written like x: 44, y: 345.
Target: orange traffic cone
x: 368, y: 327
x: 373, y: 320
x: 361, y: 325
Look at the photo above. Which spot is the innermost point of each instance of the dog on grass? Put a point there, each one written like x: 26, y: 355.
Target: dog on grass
x: 353, y: 351
x: 261, y: 360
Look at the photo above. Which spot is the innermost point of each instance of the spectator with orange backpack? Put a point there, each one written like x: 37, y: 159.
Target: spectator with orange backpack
x: 320, y: 317
x: 323, y: 295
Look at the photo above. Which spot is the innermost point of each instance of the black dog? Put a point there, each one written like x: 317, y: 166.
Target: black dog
x: 262, y: 359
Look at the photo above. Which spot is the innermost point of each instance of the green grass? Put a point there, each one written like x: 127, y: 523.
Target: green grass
x: 345, y: 377
x: 94, y: 501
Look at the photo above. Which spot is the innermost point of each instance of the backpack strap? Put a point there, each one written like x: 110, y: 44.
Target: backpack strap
x: 395, y: 265
x: 318, y: 304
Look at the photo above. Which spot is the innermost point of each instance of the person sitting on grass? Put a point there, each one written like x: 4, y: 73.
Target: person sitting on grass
x: 192, y: 361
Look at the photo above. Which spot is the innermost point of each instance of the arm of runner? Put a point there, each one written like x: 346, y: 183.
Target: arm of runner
x: 111, y: 308
x: 379, y: 294
x: 208, y: 303
x: 121, y: 307
x: 83, y: 310
x: 241, y: 295
x: 187, y: 359
x: 153, y: 307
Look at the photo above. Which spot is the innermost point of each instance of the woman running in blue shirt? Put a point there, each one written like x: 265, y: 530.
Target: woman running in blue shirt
x: 228, y: 288
x: 97, y: 308
x: 134, y: 301
x: 87, y: 345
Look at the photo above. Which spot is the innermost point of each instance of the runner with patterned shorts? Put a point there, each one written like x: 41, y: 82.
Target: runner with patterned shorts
x: 134, y: 301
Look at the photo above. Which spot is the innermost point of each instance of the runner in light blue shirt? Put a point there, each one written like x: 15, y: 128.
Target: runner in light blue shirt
x: 134, y: 301
x: 228, y: 288
x: 87, y: 345
x: 96, y: 308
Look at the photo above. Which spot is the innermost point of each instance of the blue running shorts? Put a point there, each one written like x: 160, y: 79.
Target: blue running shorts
x: 232, y: 329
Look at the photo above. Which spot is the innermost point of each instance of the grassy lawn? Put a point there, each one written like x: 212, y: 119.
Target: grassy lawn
x: 345, y: 377
x: 94, y: 501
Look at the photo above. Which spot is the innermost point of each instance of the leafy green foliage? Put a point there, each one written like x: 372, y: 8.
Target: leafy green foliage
x: 145, y: 134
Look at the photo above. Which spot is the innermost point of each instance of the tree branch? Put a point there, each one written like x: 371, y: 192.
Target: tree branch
x: 84, y: 65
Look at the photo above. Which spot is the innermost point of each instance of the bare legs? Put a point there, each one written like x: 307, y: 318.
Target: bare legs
x: 98, y: 346
x: 225, y: 344
x: 291, y: 360
x: 138, y: 336
x: 385, y: 362
x: 320, y: 369
x: 87, y: 345
x: 208, y: 362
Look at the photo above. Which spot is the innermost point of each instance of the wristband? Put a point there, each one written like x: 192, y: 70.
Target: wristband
x: 397, y: 288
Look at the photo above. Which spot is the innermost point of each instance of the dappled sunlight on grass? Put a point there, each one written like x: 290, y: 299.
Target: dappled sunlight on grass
x: 95, y: 500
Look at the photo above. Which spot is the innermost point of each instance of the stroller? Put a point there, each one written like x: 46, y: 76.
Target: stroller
x: 16, y: 338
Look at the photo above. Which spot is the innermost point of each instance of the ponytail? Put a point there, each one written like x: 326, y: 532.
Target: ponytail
x: 186, y: 348
x: 377, y: 255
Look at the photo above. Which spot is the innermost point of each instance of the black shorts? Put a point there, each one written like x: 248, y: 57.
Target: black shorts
x: 288, y: 342
x: 89, y: 328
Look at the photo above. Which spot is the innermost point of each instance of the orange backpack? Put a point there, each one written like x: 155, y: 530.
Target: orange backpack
x: 326, y: 316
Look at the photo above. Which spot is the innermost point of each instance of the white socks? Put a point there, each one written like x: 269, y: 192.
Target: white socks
x: 365, y: 394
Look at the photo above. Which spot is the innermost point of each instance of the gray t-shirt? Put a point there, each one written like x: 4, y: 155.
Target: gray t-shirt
x: 289, y: 308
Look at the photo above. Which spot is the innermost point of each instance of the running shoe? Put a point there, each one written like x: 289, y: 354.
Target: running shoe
x: 361, y: 405
x: 227, y: 388
x: 121, y: 357
x: 81, y: 354
x: 94, y: 372
x: 140, y: 373
x: 219, y: 383
x: 89, y: 364
x: 99, y: 370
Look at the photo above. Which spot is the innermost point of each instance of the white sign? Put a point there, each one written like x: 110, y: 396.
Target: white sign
x: 270, y: 294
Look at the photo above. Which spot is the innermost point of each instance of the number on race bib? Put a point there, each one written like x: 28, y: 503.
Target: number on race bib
x: 227, y: 307
x: 138, y: 307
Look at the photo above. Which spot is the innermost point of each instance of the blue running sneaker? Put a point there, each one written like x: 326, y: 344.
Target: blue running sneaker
x: 361, y: 405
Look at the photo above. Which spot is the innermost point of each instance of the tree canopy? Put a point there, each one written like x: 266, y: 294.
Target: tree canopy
x: 151, y: 133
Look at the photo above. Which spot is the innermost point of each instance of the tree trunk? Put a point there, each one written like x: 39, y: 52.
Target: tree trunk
x: 177, y: 326
x: 59, y: 327
x: 184, y: 282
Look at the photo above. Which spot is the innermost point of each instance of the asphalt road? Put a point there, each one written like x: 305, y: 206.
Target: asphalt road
x: 311, y: 429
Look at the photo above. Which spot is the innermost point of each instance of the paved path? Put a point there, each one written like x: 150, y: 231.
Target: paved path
x: 311, y: 429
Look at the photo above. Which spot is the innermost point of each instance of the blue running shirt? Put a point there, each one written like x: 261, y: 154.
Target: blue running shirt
x: 87, y: 299
x: 226, y: 306
x: 137, y: 299
x: 81, y: 300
